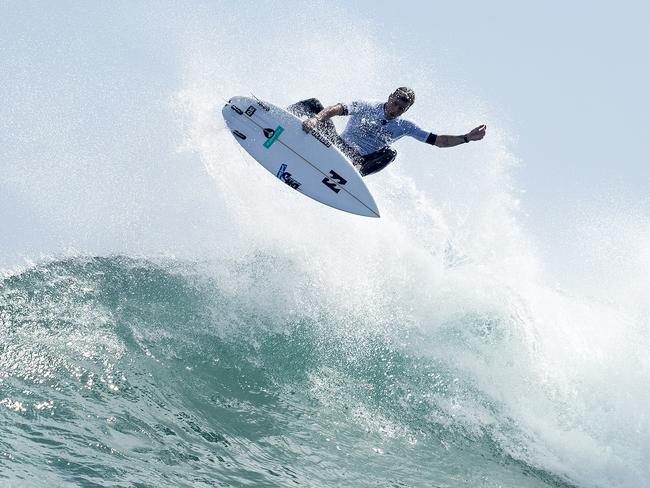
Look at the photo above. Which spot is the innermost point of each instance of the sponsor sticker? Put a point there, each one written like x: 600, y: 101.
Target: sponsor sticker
x: 272, y: 135
x: 287, y: 178
x: 333, y: 181
x: 263, y: 105
x: 250, y: 110
x: 320, y: 138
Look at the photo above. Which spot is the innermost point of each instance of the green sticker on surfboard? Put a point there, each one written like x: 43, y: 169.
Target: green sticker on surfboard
x: 272, y: 135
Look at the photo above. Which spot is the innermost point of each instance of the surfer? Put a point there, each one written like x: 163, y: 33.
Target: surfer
x: 373, y: 126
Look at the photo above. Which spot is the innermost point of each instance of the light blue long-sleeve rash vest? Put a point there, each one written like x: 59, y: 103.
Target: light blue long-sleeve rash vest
x: 368, y: 130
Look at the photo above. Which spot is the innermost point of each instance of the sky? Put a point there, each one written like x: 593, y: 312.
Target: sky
x: 568, y: 77
x: 568, y: 81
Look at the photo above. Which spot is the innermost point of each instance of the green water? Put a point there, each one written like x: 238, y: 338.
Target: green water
x: 124, y: 372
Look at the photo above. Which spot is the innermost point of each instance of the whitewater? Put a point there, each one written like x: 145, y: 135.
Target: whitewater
x: 171, y: 315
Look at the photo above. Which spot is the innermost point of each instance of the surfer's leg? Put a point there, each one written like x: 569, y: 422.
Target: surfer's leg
x: 366, y: 165
x: 311, y: 106
x: 375, y: 162
x: 347, y: 150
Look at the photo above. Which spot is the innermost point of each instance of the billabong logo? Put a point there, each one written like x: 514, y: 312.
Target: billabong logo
x: 272, y: 135
x: 331, y: 182
x: 287, y: 178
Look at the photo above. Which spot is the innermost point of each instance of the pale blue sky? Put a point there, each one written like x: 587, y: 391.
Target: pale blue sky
x: 570, y: 78
x: 569, y: 81
x: 83, y: 84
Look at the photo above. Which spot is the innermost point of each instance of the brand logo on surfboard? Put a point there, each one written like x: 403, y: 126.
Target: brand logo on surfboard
x: 263, y: 105
x: 320, y: 138
x: 286, y: 177
x: 333, y: 181
x: 272, y: 135
x: 250, y: 110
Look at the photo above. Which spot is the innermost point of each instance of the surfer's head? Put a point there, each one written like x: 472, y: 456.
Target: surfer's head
x: 399, y: 102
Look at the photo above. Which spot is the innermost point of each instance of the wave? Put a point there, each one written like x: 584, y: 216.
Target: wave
x: 132, y: 371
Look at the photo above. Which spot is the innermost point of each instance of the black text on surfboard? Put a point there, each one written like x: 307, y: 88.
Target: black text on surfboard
x: 331, y: 183
x: 287, y: 178
x: 320, y: 138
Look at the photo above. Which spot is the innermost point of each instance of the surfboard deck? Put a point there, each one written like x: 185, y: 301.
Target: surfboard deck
x: 306, y: 162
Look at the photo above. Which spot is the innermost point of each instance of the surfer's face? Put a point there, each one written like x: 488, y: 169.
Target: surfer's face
x: 396, y: 106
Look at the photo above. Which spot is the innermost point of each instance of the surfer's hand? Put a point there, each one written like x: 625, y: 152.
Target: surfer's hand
x: 478, y: 133
x: 310, y: 124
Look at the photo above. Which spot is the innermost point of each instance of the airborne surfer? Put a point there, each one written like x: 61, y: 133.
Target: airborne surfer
x: 373, y: 126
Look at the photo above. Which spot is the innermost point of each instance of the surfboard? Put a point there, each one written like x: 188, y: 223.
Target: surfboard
x: 306, y: 162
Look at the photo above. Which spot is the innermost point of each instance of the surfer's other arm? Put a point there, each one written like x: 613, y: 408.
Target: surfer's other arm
x: 324, y: 115
x: 450, y: 141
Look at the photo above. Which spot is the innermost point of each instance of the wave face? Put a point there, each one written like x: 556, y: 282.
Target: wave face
x: 170, y: 315
x: 126, y: 372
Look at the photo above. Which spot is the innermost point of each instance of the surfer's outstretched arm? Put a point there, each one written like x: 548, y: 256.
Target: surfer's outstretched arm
x: 324, y: 115
x: 450, y: 141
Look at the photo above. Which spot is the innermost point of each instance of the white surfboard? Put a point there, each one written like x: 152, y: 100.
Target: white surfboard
x: 308, y: 163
